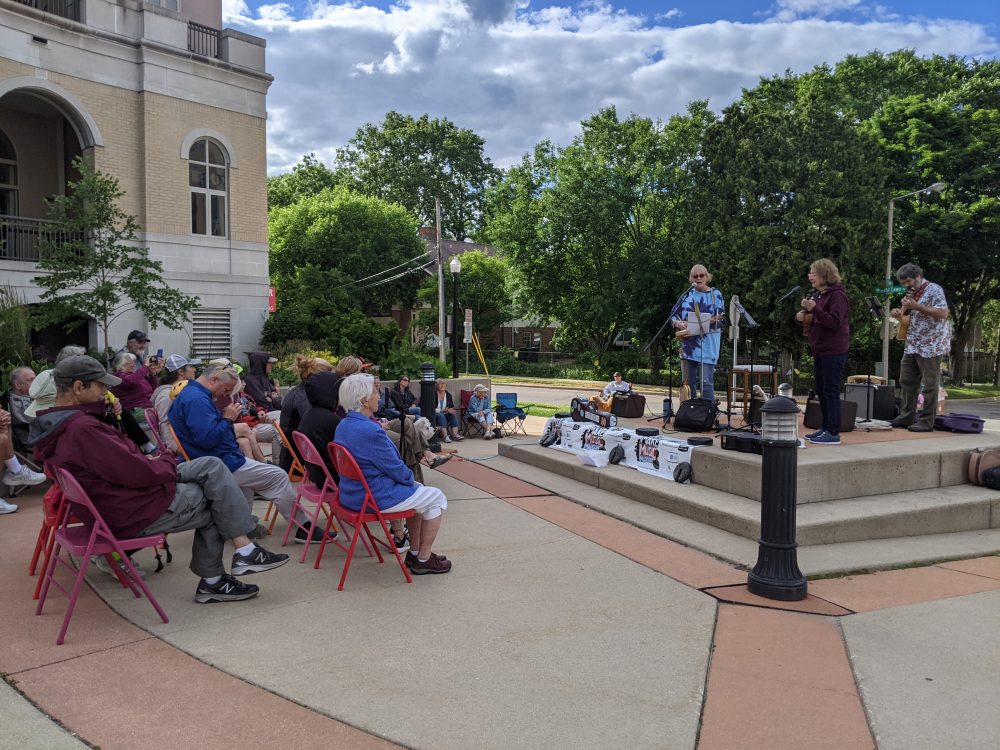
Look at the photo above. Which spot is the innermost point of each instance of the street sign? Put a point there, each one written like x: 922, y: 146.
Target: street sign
x: 468, y: 333
x: 890, y: 290
x: 468, y: 316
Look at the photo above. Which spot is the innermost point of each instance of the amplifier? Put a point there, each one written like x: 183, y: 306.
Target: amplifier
x: 883, y: 400
x: 744, y: 442
x: 814, y: 415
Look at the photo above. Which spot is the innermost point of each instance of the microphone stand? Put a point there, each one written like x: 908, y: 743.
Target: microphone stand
x: 668, y: 406
x: 877, y: 317
x: 752, y: 326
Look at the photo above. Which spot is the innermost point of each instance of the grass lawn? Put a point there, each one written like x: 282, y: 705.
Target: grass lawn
x: 972, y: 390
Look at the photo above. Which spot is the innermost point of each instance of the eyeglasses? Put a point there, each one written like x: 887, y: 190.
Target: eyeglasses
x: 699, y: 275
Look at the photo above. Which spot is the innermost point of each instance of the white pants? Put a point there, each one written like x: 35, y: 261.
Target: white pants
x: 428, y: 502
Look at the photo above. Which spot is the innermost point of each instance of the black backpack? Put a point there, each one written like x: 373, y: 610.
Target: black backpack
x: 696, y: 415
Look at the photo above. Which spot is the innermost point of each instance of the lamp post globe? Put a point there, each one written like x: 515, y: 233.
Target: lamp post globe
x: 456, y: 269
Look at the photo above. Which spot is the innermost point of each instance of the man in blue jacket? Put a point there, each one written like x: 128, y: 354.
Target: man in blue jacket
x: 203, y: 431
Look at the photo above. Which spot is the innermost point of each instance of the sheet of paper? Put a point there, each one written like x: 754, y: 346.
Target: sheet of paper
x: 698, y: 324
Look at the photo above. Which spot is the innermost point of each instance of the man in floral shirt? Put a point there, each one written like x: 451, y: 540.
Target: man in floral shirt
x: 927, y: 340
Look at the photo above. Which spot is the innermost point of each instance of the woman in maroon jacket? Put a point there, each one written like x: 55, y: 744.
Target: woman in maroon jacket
x: 829, y: 341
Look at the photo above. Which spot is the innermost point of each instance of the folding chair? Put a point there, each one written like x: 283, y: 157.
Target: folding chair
x: 508, y: 411
x: 348, y: 468
x: 296, y: 473
x: 322, y: 498
x: 95, y: 538
x: 468, y: 422
x: 180, y: 448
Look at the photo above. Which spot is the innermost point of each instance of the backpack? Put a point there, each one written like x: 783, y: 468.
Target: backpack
x: 982, y: 460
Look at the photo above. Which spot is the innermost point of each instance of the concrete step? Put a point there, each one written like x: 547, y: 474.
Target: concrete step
x: 938, y: 510
x: 814, y: 560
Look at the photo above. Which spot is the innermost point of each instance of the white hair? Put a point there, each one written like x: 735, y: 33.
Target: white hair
x: 121, y: 359
x: 355, y: 390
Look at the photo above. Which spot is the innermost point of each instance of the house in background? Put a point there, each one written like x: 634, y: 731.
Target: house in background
x: 172, y: 105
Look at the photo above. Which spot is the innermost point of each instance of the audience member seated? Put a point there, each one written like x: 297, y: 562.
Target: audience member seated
x: 402, y: 400
x: 17, y: 474
x: 246, y: 438
x: 391, y: 482
x: 319, y: 423
x: 176, y: 368
x: 203, y: 431
x: 259, y: 384
x: 445, y: 414
x: 295, y: 404
x: 138, y: 495
x: 615, y: 387
x: 138, y: 381
x: 481, y: 411
x: 18, y: 400
x: 135, y: 343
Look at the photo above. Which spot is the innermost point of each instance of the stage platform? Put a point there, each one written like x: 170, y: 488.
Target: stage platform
x: 876, y: 485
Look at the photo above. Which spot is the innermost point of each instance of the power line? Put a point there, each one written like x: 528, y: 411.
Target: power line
x: 404, y: 263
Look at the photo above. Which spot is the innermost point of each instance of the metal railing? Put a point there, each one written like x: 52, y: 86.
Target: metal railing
x: 21, y: 238
x: 203, y: 40
x: 66, y: 8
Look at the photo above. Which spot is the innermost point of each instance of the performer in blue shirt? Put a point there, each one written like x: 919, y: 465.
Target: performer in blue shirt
x: 700, y: 353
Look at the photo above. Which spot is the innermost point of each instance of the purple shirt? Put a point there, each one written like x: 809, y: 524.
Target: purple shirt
x: 830, y: 332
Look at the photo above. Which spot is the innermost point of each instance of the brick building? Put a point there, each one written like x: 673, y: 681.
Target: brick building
x: 164, y: 99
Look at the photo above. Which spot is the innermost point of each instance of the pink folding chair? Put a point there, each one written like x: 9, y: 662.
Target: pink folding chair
x: 87, y: 539
x: 153, y: 420
x: 322, y: 498
x: 348, y: 468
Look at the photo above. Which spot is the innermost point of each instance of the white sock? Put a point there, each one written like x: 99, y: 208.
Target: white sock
x: 247, y: 549
x: 213, y: 580
x: 414, y: 552
x: 13, y: 465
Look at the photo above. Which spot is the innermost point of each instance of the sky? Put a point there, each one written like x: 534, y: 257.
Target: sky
x: 520, y: 71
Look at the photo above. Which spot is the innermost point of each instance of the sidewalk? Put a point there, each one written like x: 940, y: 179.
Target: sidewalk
x: 558, y: 627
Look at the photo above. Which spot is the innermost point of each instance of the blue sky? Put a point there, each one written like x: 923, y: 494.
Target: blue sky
x: 518, y: 71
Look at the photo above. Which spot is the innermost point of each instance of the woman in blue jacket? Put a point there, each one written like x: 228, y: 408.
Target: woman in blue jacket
x: 700, y: 351
x: 391, y: 482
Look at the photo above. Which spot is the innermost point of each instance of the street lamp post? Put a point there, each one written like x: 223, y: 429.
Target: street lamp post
x: 776, y: 574
x: 456, y: 269
x: 937, y: 187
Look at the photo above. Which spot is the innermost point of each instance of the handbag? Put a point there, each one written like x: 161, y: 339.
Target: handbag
x: 696, y: 415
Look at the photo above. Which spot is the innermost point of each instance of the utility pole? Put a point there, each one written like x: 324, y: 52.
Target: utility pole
x: 442, y: 355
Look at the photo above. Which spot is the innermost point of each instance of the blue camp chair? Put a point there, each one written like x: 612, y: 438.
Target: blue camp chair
x: 510, y: 417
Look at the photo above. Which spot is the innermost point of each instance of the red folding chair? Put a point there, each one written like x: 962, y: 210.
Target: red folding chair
x: 153, y: 420
x: 323, y: 498
x: 85, y: 540
x: 348, y: 468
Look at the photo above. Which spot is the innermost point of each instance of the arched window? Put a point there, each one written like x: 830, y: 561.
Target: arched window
x: 8, y: 177
x: 208, y: 177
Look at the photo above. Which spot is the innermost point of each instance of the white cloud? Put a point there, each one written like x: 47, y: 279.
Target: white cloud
x: 537, y: 72
x: 789, y: 10
x: 233, y: 10
x: 276, y: 12
x: 672, y: 13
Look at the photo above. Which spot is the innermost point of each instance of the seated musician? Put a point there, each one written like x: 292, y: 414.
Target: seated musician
x: 616, y: 387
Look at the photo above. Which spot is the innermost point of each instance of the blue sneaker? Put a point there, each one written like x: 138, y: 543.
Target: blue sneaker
x: 825, y: 438
x: 816, y: 434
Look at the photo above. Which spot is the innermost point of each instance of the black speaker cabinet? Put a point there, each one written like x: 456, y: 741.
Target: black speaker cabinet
x: 814, y: 415
x: 882, y: 400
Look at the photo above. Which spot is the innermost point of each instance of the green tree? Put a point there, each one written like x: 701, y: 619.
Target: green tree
x: 93, y: 265
x: 309, y: 177
x: 483, y: 288
x: 590, y: 228
x: 411, y: 161
x: 336, y: 258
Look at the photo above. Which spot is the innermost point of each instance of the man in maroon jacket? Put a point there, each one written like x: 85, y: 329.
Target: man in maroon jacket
x: 139, y: 495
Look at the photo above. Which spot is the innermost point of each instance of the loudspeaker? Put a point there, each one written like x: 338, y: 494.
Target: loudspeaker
x: 882, y: 400
x: 814, y: 415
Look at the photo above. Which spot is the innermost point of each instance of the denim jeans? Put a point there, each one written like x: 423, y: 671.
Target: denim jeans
x: 693, y: 374
x: 828, y: 369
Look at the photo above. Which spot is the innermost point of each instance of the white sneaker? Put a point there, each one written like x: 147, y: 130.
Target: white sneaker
x: 24, y: 478
x: 447, y: 439
x: 6, y: 507
x: 102, y: 565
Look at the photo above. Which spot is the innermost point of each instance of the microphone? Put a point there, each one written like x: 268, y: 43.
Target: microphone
x: 789, y: 293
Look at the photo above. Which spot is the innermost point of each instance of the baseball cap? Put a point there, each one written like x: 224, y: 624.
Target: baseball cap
x: 43, y: 393
x: 175, y: 362
x: 137, y: 336
x: 82, y: 367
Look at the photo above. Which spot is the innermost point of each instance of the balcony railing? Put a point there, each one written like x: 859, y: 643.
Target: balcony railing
x: 66, y: 8
x: 203, y: 40
x: 21, y: 238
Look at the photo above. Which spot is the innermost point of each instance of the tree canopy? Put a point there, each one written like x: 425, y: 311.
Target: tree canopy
x: 309, y: 177
x: 483, y: 288
x: 411, y: 161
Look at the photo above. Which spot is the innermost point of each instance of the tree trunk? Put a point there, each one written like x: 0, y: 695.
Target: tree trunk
x: 958, y: 355
x: 654, y: 362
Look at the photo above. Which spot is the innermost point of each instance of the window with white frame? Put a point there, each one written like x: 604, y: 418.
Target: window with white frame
x: 208, y: 177
x: 8, y: 177
x: 168, y: 4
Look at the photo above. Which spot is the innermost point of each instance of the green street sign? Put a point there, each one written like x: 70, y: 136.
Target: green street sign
x: 890, y: 290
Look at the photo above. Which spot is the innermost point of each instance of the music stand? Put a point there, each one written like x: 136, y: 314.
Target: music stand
x: 877, y: 316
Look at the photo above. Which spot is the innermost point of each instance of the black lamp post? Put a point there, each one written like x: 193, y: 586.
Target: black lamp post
x: 456, y: 269
x: 776, y: 574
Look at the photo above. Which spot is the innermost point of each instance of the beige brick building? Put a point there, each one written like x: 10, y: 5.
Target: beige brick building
x: 172, y: 105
